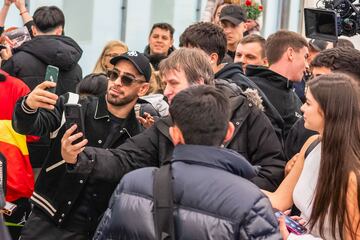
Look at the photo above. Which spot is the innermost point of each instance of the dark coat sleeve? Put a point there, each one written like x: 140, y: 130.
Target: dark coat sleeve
x: 296, y: 138
x: 264, y: 150
x: 40, y: 123
x: 139, y: 151
x: 260, y: 222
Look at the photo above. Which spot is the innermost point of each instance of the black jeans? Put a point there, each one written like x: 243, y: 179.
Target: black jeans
x: 40, y: 227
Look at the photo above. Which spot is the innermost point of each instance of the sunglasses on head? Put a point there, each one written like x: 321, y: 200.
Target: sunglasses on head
x: 126, y: 80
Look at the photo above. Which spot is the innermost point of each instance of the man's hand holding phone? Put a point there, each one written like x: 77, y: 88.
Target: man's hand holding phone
x: 41, y: 98
x: 70, y: 151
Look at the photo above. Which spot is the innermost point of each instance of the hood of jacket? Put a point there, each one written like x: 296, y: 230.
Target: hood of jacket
x: 278, y: 80
x: 229, y: 70
x: 215, y: 157
x: 60, y: 51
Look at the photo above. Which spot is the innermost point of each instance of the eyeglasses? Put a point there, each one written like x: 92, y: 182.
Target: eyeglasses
x: 126, y: 80
x: 111, y: 55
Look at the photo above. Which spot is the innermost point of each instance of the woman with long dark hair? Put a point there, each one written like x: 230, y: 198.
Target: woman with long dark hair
x: 325, y: 186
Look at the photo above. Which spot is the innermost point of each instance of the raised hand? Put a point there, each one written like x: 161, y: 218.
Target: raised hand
x: 41, y: 98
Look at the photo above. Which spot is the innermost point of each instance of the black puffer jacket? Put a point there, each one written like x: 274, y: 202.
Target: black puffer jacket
x: 254, y: 138
x: 234, y: 72
x: 30, y: 60
x: 211, y: 201
x: 279, y: 91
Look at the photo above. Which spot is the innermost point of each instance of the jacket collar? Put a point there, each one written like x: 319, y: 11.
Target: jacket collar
x: 215, y: 157
x: 272, y: 77
x: 101, y: 110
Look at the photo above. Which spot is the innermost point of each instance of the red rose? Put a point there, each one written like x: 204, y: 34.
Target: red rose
x: 261, y: 8
x: 248, y: 3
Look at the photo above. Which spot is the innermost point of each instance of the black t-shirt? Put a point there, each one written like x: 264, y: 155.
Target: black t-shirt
x: 116, y: 125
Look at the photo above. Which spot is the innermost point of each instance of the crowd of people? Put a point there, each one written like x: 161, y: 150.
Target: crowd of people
x: 230, y: 135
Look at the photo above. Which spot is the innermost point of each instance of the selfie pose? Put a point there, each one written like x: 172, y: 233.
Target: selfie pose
x: 68, y: 205
x: 325, y: 185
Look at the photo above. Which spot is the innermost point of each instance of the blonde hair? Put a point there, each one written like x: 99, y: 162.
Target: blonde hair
x: 100, y: 63
x: 156, y: 85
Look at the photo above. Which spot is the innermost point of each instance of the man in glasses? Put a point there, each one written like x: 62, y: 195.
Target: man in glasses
x: 70, y: 205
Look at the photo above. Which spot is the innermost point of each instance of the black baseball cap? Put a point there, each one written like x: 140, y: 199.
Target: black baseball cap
x: 233, y: 13
x: 138, y: 59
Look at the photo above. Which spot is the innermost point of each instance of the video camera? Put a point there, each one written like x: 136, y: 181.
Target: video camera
x: 333, y: 19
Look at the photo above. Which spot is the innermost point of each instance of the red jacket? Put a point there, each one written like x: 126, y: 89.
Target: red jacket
x: 20, y: 178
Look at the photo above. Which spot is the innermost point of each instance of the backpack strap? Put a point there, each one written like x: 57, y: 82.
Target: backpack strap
x: 163, y: 203
x: 311, y: 147
x: 73, y: 98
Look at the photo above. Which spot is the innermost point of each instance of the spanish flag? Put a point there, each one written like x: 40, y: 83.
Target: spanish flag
x: 20, y: 178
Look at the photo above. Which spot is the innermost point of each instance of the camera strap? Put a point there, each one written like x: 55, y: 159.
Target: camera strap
x: 73, y: 99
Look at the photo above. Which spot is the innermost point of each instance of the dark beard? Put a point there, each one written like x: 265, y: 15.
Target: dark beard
x: 120, y: 102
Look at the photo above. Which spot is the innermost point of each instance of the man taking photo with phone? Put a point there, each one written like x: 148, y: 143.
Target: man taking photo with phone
x: 66, y: 205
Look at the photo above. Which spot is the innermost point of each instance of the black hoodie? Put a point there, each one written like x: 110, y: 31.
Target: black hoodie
x: 30, y: 60
x: 234, y: 72
x: 279, y: 91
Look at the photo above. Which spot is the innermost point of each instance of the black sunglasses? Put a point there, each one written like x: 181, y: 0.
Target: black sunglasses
x: 126, y: 80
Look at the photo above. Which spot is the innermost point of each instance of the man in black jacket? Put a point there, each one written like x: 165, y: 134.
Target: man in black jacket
x: 287, y: 54
x: 212, y: 40
x: 254, y: 136
x: 48, y: 47
x: 68, y: 206
x: 337, y: 60
x: 161, y: 40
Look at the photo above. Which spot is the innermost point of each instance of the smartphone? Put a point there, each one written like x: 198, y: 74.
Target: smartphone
x: 292, y: 225
x: 74, y: 115
x: 52, y: 74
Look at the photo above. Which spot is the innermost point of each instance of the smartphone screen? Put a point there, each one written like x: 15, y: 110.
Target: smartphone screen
x: 292, y: 225
x: 52, y: 74
x: 73, y: 115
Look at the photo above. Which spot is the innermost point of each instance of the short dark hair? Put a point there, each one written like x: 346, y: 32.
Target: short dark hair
x: 206, y: 36
x: 341, y: 42
x: 94, y: 84
x: 254, y: 38
x: 202, y: 113
x: 164, y: 26
x: 47, y: 18
x: 344, y: 60
x: 277, y: 44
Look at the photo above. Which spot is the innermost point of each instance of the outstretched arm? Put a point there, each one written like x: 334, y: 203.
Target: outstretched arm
x: 24, y: 13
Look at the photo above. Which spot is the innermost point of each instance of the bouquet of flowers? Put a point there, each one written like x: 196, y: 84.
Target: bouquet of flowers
x: 252, y: 9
